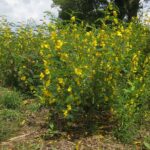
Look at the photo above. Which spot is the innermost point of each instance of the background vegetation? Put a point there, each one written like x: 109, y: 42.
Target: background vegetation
x: 91, y: 10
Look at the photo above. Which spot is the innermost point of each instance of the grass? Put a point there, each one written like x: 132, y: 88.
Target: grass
x: 10, y: 99
x: 10, y: 116
x: 9, y: 123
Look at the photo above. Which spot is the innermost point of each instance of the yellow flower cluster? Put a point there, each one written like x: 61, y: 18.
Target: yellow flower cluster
x: 78, y: 71
x: 65, y: 112
x: 59, y: 44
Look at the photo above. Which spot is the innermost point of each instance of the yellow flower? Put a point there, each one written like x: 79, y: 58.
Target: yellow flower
x: 61, y: 81
x: 116, y: 21
x: 69, y: 107
x: 69, y: 89
x: 78, y: 71
x: 59, y: 44
x: 73, y: 18
x: 42, y: 75
x: 44, y: 45
x: 46, y: 93
x: 64, y: 56
x: 23, y: 78
x: 119, y: 33
x: 135, y: 57
x: 47, y: 83
x: 102, y: 44
x: 88, y: 33
x: 94, y: 43
x: 45, y: 62
x: 115, y: 13
x: 47, y: 72
x: 65, y: 113
x: 53, y: 35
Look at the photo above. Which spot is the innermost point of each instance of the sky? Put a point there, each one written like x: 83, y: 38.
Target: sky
x: 22, y: 10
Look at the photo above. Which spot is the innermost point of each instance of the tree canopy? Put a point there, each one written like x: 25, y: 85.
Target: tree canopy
x: 128, y: 8
x: 88, y: 10
x: 91, y: 10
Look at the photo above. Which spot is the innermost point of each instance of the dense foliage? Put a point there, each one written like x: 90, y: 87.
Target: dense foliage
x: 91, y: 10
x: 81, y: 74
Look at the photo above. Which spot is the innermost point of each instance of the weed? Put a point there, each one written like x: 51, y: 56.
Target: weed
x: 10, y: 99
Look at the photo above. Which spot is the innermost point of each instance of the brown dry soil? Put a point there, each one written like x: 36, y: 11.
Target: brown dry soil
x: 32, y: 128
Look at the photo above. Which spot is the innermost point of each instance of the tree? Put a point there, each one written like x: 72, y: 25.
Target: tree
x: 128, y: 8
x: 88, y: 10
x: 91, y: 10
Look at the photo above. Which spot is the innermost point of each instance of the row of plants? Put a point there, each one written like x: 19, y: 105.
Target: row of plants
x: 82, y: 73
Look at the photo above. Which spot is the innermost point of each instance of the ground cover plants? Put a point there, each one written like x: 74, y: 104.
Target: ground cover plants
x: 10, y: 103
x: 86, y: 76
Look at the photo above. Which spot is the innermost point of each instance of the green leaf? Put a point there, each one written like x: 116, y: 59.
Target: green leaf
x: 147, y: 145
